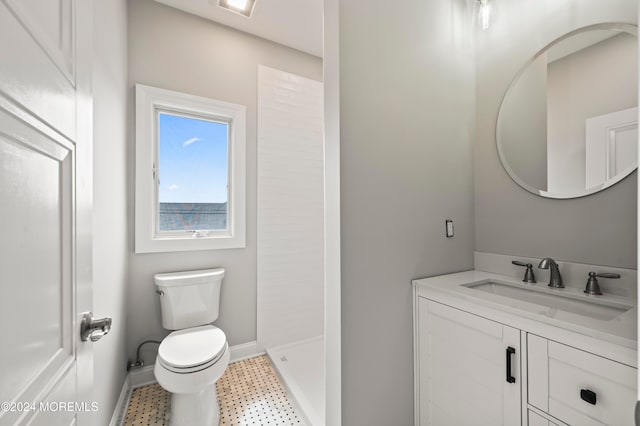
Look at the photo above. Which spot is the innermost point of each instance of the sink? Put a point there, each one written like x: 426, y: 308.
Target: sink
x: 552, y: 300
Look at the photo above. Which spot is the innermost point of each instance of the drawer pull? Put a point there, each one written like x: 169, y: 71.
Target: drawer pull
x: 510, y: 378
x: 588, y: 396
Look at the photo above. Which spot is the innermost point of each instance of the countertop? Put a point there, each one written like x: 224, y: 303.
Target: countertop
x: 619, y: 333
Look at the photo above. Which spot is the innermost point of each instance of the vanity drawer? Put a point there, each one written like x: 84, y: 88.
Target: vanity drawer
x: 535, y: 419
x: 578, y: 387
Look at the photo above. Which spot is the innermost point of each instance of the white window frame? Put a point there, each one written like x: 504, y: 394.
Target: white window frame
x: 150, y: 101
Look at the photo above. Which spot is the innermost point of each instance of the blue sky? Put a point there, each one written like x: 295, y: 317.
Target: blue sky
x: 192, y: 160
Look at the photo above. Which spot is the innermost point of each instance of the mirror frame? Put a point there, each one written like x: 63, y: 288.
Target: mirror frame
x: 622, y: 27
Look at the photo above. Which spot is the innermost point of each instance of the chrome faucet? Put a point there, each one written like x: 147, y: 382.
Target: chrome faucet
x: 555, y: 280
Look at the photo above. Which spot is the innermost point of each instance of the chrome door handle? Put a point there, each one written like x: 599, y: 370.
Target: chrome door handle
x: 93, y: 329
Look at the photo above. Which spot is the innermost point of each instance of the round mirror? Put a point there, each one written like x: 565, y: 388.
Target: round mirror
x: 568, y: 124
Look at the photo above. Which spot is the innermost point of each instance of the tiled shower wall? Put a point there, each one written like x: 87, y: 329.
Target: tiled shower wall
x: 290, y: 267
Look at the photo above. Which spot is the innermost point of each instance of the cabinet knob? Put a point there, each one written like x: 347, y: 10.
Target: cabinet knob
x: 588, y: 396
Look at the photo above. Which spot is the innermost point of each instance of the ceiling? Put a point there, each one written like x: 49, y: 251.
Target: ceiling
x: 293, y: 23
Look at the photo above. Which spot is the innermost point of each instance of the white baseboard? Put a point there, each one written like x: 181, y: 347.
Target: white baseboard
x: 244, y: 351
x: 142, y: 376
x: 123, y: 401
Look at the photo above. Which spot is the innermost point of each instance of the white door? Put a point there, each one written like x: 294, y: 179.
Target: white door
x: 45, y: 211
x: 611, y: 146
x: 469, y: 369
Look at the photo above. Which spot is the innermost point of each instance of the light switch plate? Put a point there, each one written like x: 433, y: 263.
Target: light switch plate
x: 449, y: 228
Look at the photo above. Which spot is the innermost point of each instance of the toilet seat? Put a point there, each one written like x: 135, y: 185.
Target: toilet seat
x: 193, y: 349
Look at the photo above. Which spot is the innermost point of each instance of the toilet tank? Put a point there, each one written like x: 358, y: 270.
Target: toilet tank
x: 190, y: 298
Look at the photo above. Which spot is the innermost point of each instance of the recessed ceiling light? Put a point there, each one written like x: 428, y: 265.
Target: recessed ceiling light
x: 243, y: 7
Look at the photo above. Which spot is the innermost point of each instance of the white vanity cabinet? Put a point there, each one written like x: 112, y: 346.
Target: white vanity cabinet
x: 535, y: 419
x: 468, y: 368
x: 472, y: 370
x: 578, y: 387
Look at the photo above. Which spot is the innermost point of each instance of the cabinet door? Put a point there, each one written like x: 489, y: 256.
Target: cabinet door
x: 468, y: 368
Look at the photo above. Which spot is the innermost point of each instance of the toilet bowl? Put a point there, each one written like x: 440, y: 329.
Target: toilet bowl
x: 188, y: 365
x: 191, y: 359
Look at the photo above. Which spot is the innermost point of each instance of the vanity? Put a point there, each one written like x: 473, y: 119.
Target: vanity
x: 496, y: 345
x: 490, y: 349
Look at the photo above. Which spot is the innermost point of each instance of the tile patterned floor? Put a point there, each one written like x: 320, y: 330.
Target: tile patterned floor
x: 149, y: 405
x: 249, y: 393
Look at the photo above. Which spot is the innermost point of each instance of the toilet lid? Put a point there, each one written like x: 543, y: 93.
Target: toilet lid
x: 192, y: 347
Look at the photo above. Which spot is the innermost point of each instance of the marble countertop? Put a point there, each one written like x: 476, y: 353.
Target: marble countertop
x: 581, y: 330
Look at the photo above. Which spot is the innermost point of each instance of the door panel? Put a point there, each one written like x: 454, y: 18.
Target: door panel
x: 51, y: 25
x: 52, y: 413
x: 45, y: 211
x: 30, y: 74
x: 36, y: 316
x: 611, y: 145
x: 623, y: 149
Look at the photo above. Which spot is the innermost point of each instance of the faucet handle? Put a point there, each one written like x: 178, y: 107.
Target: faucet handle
x: 604, y: 274
x: 529, y: 277
x: 593, y: 287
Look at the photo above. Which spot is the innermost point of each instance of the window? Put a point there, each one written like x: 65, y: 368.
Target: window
x: 193, y: 168
x: 190, y: 172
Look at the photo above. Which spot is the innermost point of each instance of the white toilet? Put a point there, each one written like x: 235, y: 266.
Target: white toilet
x: 191, y: 359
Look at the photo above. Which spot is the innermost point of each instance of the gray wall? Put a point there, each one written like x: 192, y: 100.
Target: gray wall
x: 178, y: 51
x: 406, y: 101
x: 582, y: 85
x: 599, y: 229
x: 110, y: 258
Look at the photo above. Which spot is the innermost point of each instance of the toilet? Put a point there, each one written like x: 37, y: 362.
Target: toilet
x: 194, y: 356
